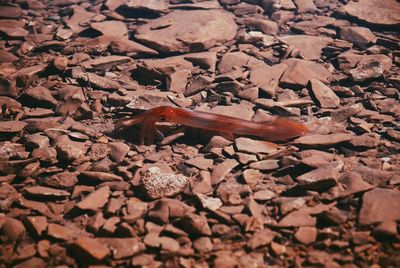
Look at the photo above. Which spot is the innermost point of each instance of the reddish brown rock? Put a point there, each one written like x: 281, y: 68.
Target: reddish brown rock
x: 306, y: 235
x: 90, y: 249
x: 95, y: 200
x: 351, y: 183
x: 26, y: 76
x: 386, y: 209
x: 7, y: 88
x: 206, y: 60
x: 123, y: 247
x: 60, y: 232
x: 195, y: 224
x: 200, y: 163
x: 253, y: 146
x: 321, y: 178
x: 267, y: 77
x: 300, y: 72
x: 177, y: 81
x: 265, y: 165
x: 374, y: 12
x: 360, y: 36
x: 260, y: 24
x: 36, y: 224
x: 202, y: 33
x: 9, y: 127
x: 10, y: 12
x: 310, y: 47
x: 110, y: 28
x: 80, y: 15
x: 11, y: 229
x: 43, y: 192
x: 371, y: 66
x: 305, y: 6
x: 325, y: 97
x: 260, y: 239
x: 221, y: 170
x: 323, y: 140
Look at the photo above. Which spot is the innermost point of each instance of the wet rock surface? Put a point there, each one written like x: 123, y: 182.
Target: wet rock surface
x: 74, y: 192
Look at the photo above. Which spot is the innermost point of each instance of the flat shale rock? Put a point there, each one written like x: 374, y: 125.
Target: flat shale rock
x: 360, y: 36
x: 321, y: 178
x: 173, y: 33
x: 81, y: 194
x: 325, y: 97
x: 352, y: 183
x: 371, y: 66
x: 253, y: 146
x: 7, y: 88
x: 300, y: 72
x: 90, y: 249
x: 375, y: 12
x: 95, y: 200
x: 43, y: 192
x: 122, y: 247
x: 379, y: 205
x: 323, y: 140
x: 125, y: 46
x: 110, y: 28
x: 310, y: 47
x: 7, y: 127
x: 267, y: 77
x: 93, y: 177
x: 306, y: 235
x: 39, y: 97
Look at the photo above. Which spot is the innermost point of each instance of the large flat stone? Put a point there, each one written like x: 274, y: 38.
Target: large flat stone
x: 175, y: 33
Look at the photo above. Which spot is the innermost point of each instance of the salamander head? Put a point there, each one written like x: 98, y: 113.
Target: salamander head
x: 164, y: 113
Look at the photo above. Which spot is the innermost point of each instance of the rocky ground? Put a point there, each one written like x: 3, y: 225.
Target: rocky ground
x: 74, y: 192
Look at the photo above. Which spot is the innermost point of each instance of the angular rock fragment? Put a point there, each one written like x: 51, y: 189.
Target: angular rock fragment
x: 172, y: 33
x: 90, y: 249
x: 374, y: 12
x: 200, y: 163
x: 46, y: 192
x: 195, y: 224
x: 7, y: 88
x: 110, y: 28
x: 371, y: 66
x: 310, y: 47
x: 253, y: 146
x: 267, y: 77
x: 11, y: 127
x: 126, y: 46
x: 326, y: 98
x: 261, y: 238
x: 323, y: 140
x: 306, y: 235
x: 351, y: 183
x: 39, y: 97
x: 60, y: 232
x: 11, y: 229
x: 265, y: 165
x: 380, y: 205
x: 95, y: 200
x: 300, y: 72
x: 221, y: 170
x: 360, y: 36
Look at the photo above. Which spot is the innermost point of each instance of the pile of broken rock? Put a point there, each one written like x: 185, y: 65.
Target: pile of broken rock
x: 73, y: 193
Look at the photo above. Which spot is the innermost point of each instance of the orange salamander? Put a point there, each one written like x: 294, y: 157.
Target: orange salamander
x: 279, y: 129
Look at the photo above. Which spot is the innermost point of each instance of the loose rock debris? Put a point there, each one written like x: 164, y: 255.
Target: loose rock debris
x: 74, y: 192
